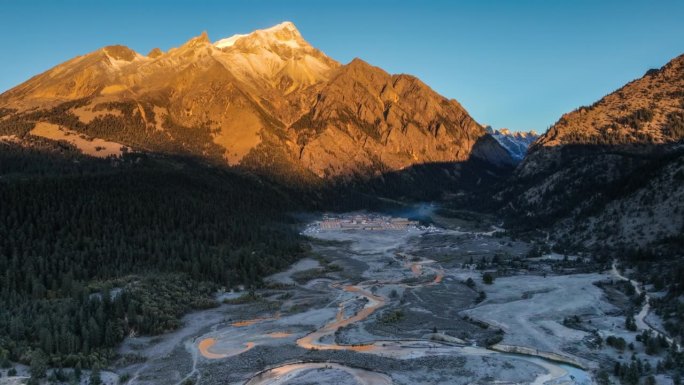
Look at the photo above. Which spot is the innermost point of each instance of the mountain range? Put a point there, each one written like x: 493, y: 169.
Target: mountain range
x: 269, y: 103
x: 263, y: 101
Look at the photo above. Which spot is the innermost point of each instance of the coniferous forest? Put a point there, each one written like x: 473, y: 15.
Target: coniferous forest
x: 95, y: 250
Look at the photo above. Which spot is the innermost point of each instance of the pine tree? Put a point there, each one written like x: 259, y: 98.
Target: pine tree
x: 78, y: 372
x: 95, y: 375
x: 39, y: 364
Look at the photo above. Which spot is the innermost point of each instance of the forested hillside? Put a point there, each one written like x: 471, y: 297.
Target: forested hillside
x: 93, y: 250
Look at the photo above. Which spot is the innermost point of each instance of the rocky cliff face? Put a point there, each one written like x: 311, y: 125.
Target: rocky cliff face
x: 366, y: 118
x: 606, y: 176
x: 259, y: 100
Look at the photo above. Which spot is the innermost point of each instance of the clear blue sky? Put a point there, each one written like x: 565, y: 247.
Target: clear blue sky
x: 517, y: 64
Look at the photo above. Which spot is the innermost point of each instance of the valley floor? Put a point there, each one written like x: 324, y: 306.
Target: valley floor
x: 401, y: 307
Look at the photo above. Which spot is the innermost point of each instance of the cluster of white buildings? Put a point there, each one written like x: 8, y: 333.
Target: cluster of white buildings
x: 365, y: 222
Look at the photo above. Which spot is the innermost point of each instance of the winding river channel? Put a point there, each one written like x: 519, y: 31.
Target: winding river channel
x: 426, y: 273
x: 556, y: 372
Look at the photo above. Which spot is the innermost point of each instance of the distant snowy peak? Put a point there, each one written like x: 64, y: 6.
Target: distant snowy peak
x: 516, y: 143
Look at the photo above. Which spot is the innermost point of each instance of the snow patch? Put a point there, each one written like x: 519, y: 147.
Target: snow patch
x: 272, y: 35
x: 229, y: 41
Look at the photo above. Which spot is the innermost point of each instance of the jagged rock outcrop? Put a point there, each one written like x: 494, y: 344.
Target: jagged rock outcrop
x: 155, y: 53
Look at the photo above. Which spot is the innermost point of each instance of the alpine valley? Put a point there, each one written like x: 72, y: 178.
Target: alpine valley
x: 252, y: 211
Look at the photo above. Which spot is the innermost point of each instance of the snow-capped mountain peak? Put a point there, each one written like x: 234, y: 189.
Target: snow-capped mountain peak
x: 276, y: 56
x: 284, y: 33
